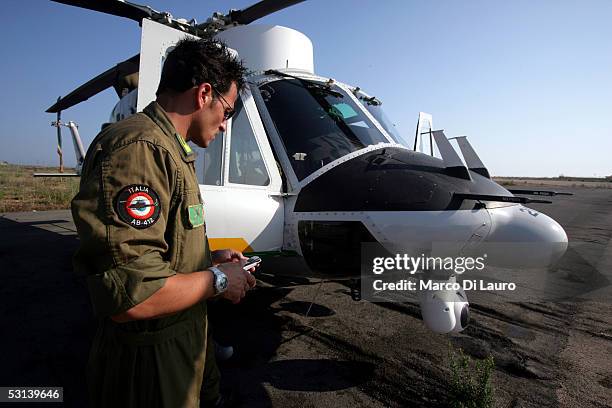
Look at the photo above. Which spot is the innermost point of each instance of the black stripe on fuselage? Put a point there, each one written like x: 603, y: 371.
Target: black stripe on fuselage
x: 392, y: 179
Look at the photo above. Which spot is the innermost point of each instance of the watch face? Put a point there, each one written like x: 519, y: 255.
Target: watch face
x: 222, y: 283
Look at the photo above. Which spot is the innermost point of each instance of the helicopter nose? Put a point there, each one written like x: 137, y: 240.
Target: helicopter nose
x: 521, y: 237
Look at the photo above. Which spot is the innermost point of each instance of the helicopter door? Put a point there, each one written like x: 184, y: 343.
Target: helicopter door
x: 241, y: 185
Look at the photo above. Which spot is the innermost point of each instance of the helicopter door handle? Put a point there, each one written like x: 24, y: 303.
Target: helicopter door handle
x: 281, y: 194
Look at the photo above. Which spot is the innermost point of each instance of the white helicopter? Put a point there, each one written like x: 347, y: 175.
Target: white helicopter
x: 310, y: 168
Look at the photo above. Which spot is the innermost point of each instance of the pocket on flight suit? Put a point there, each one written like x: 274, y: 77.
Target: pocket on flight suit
x: 194, y: 244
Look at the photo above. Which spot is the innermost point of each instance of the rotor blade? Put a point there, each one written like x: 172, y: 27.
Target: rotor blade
x: 259, y: 10
x: 119, y: 8
x: 97, y: 84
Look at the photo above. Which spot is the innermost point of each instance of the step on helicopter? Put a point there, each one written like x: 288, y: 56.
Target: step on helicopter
x: 310, y: 168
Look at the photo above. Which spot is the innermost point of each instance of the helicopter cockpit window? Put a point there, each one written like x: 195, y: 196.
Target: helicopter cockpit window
x: 317, y: 124
x: 246, y: 165
x: 209, y: 161
x: 374, y: 106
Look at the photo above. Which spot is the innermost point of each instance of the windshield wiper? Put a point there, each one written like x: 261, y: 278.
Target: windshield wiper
x: 372, y: 100
x: 309, y: 84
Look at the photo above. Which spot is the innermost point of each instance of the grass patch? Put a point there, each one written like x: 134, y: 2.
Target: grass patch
x: 20, y: 191
x: 470, y: 385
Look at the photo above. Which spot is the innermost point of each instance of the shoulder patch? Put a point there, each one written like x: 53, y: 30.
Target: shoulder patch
x: 138, y: 205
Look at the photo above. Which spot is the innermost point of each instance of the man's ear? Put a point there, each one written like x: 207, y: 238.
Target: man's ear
x: 203, y: 94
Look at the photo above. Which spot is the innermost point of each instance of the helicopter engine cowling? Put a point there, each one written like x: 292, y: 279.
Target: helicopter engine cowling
x: 263, y: 47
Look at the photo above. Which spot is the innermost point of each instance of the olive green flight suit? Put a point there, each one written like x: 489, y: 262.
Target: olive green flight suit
x: 129, y: 245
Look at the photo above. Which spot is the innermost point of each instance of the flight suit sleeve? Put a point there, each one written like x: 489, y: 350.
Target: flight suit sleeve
x: 122, y: 214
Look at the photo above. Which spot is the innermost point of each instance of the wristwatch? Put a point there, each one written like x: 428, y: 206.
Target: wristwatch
x: 220, y: 280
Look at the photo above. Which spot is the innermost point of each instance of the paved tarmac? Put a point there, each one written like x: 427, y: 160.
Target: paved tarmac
x: 548, y: 353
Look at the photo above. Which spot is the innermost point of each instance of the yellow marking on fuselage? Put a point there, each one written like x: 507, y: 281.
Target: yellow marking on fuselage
x: 239, y: 244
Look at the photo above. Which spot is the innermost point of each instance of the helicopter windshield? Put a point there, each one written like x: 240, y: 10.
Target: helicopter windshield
x: 374, y: 106
x: 316, y: 123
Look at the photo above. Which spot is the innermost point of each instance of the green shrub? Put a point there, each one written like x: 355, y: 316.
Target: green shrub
x: 470, y: 385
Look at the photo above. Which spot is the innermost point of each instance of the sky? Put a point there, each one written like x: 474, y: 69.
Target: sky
x: 529, y: 82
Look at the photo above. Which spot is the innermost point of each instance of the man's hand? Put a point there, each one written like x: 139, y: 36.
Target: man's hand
x: 226, y: 255
x: 239, y: 281
x: 230, y: 255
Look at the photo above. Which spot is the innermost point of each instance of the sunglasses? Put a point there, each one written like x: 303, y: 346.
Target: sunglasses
x: 229, y: 112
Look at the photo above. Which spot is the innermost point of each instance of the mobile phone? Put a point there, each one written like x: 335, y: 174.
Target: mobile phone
x: 251, y: 262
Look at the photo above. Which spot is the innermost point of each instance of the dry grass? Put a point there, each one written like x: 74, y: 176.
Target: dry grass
x: 20, y: 191
x: 567, y: 182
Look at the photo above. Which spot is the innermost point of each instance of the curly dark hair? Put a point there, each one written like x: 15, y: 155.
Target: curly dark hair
x: 195, y: 61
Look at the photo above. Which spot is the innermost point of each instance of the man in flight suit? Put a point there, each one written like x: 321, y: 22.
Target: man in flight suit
x: 143, y: 245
